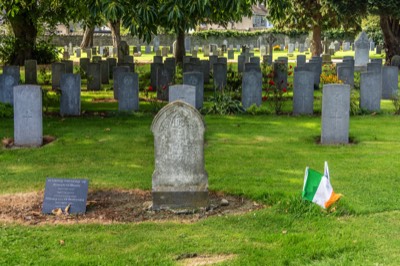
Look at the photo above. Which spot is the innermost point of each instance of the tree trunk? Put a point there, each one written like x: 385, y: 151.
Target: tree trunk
x: 391, y: 35
x: 115, y: 32
x: 25, y: 33
x: 180, y: 47
x: 87, y: 40
x: 316, y: 41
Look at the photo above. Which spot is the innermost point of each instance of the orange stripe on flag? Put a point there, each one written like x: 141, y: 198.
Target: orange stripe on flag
x: 334, y: 197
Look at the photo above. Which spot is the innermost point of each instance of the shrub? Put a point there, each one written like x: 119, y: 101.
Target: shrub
x: 6, y: 110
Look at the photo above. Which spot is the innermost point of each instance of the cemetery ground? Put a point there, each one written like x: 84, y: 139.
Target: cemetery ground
x: 258, y: 158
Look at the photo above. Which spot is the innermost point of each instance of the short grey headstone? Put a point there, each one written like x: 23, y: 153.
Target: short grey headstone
x: 185, y: 93
x: 130, y: 65
x: 117, y: 71
x: 300, y: 60
x: 105, y: 72
x: 57, y: 70
x: 153, y: 73
x: 30, y: 72
x: 345, y: 73
x: 196, y: 79
x: 7, y: 83
x: 335, y: 114
x: 164, y: 79
x: 390, y: 80
x: 128, y: 59
x: 94, y: 77
x: 213, y: 59
x: 241, y: 62
x: 69, y: 66
x: 112, y: 62
x: 123, y: 49
x: 13, y: 71
x: 222, y: 60
x: 83, y: 63
x: 78, y: 52
x: 231, y: 54
x: 206, y: 70
x: 179, y: 179
x: 303, y: 93
x: 255, y: 60
x: 70, y: 100
x: 361, y: 51
x: 251, y: 88
x: 280, y: 74
x: 370, y: 91
x: 128, y: 92
x: 28, y: 118
x: 252, y: 67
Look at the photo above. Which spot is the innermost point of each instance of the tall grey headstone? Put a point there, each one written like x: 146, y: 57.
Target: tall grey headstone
x: 335, y: 114
x: 185, y: 93
x: 7, y: 83
x: 70, y: 100
x: 303, y: 93
x: 390, y: 80
x: 251, y: 88
x: 30, y: 72
x: 112, y: 62
x: 94, y: 77
x: 179, y: 179
x: 195, y: 79
x: 117, y: 71
x: 13, y: 71
x: 123, y: 49
x: 164, y: 79
x: 69, y: 66
x: 105, y: 72
x: 345, y: 73
x: 57, y: 70
x: 301, y: 60
x: 128, y: 92
x: 206, y: 70
x: 83, y: 63
x: 28, y: 118
x: 370, y: 91
x: 153, y: 73
x: 220, y: 75
x: 361, y: 51
x: 241, y: 62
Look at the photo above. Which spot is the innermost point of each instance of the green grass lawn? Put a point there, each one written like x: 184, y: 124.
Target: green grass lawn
x: 260, y: 157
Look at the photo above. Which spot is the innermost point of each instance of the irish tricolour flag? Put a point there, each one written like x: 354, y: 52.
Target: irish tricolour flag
x: 317, y: 188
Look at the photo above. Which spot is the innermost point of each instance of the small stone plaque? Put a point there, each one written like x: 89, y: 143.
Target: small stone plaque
x: 60, y: 192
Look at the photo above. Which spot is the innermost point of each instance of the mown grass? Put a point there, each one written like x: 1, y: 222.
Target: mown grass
x: 260, y: 157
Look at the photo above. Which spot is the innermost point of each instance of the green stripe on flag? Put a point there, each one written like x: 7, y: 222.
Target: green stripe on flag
x: 312, y: 183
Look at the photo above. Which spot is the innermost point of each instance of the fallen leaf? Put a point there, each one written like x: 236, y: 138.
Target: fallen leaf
x: 107, y: 129
x: 67, y: 209
x: 284, y: 232
x: 57, y: 212
x: 62, y: 242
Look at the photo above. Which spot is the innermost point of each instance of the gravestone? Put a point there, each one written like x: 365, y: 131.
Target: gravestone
x: 335, y: 114
x: 153, y: 73
x: 390, y: 80
x: 370, y: 91
x: 59, y: 193
x: 345, y: 73
x: 252, y: 67
x: 164, y: 51
x: 128, y: 92
x: 241, y: 62
x: 326, y: 56
x: 94, y: 77
x: 303, y: 93
x: 301, y: 48
x: 78, y: 52
x: 164, y: 79
x: 255, y: 60
x: 13, y: 71
x: 267, y: 59
x: 30, y: 72
x: 291, y: 48
x: 117, y: 71
x: 377, y: 61
x: 88, y: 53
x: 112, y: 62
x: 280, y: 75
x: 170, y: 64
x: 156, y: 44
x: 378, y: 49
x: 346, y: 46
x: 186, y: 59
x: 300, y: 60
x: 336, y: 45
x: 96, y: 59
x: 7, y: 83
x: 195, y: 79
x: 263, y: 50
x: 123, y: 50
x: 28, y: 118
x: 130, y: 65
x: 70, y: 100
x: 105, y: 72
x: 222, y: 60
x: 69, y: 66
x: 185, y: 93
x: 128, y: 59
x: 371, y: 45
x: 361, y: 51
x: 83, y: 63
x: 179, y: 179
x: 251, y: 88
x: 220, y: 75
x: 213, y: 59
x: 147, y: 49
x: 57, y: 70
x: 205, y: 65
x: 206, y: 51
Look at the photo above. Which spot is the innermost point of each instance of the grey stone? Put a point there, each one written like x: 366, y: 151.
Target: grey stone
x: 105, y: 72
x: 370, y: 91
x: 30, y: 72
x: 123, y: 50
x: 251, y: 88
x: 170, y: 64
x: 96, y: 59
x: 153, y: 73
x: 128, y: 59
x: 361, y: 50
x: 130, y: 65
x: 335, y: 114
x: 252, y: 67
x: 70, y: 100
x: 300, y: 60
x: 206, y: 70
x: 255, y: 60
x: 224, y: 202
x: 213, y: 59
x: 112, y: 62
x: 377, y: 61
x: 88, y: 53
x: 390, y: 80
x: 195, y: 79
x: 147, y: 49
x: 57, y: 70
x: 280, y: 74
x: 13, y: 71
x: 345, y: 73
x: 206, y: 51
x: 222, y: 60
x: 185, y: 93
x: 241, y: 62
x: 94, y: 77
x: 315, y: 68
x: 128, y: 92
x: 7, y: 83
x: 69, y: 66
x: 117, y: 71
x: 164, y: 79
x: 220, y: 75
x: 78, y: 52
x: 194, y: 60
x: 83, y: 63
x: 303, y: 93
x: 179, y: 179
x: 231, y: 54
x: 28, y: 118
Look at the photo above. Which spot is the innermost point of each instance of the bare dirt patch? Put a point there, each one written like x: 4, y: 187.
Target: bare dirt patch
x: 197, y: 260
x: 116, y: 206
x: 8, y: 143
